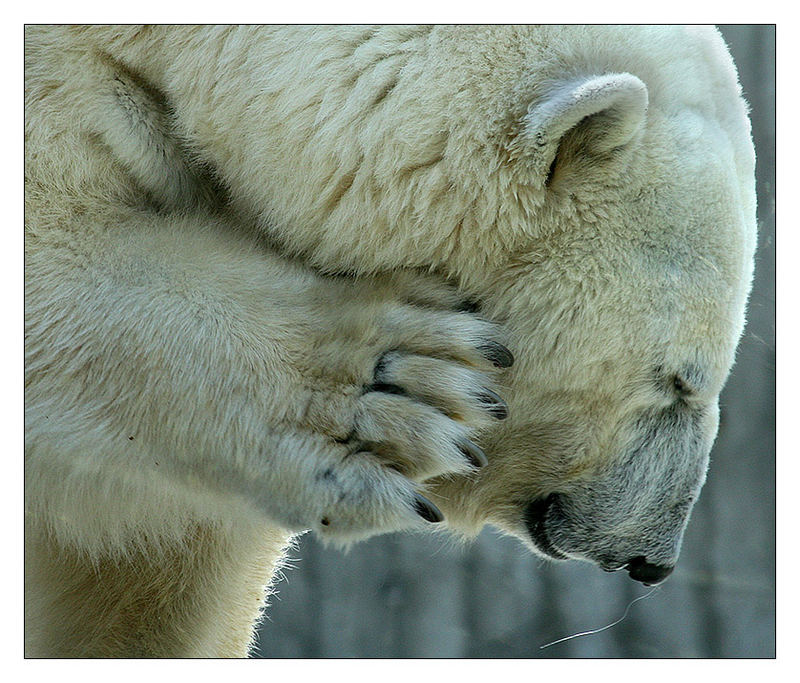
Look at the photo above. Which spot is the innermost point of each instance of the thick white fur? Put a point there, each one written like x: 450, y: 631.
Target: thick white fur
x: 193, y: 392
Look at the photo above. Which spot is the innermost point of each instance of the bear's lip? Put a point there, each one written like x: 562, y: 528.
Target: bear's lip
x: 536, y: 519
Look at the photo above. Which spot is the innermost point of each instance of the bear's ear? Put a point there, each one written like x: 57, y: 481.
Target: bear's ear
x: 598, y: 114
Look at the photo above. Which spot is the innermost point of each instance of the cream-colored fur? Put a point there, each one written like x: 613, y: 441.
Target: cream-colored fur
x: 238, y: 325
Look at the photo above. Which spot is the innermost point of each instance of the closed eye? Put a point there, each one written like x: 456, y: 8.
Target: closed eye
x: 680, y: 387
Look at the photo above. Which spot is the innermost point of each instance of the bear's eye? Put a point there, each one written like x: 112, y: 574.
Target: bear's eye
x: 673, y: 384
x: 680, y: 387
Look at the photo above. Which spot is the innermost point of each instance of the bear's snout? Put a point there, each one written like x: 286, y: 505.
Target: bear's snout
x: 549, y: 526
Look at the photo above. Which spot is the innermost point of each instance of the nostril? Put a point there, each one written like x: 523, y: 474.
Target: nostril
x: 639, y: 569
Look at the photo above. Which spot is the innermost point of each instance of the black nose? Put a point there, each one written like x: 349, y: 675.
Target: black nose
x: 649, y: 574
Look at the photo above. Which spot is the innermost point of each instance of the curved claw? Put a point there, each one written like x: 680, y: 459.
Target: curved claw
x: 498, y: 354
x: 474, y: 454
x: 427, y: 510
x: 494, y: 404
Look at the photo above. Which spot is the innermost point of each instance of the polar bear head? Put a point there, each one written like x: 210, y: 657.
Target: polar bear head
x: 625, y: 305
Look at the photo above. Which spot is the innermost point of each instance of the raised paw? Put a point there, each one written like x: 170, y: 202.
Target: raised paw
x: 416, y: 417
x: 399, y: 378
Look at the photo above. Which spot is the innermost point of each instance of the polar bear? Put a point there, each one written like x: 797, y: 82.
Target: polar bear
x: 359, y: 280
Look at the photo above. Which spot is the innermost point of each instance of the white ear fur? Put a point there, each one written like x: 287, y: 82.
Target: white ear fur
x: 617, y: 104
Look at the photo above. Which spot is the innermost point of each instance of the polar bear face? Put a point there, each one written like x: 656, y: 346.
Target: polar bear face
x: 626, y: 312
x: 613, y: 398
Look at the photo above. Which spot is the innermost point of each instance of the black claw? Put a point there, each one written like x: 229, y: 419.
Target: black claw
x: 427, y: 510
x: 499, y: 411
x: 500, y: 356
x: 474, y: 454
x: 494, y: 404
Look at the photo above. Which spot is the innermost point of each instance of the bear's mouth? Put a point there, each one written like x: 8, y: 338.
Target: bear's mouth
x: 536, y: 518
x: 543, y: 515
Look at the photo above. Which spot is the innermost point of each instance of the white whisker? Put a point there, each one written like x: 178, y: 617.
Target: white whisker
x: 598, y: 630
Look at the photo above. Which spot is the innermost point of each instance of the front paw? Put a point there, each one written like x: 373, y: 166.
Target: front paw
x: 416, y: 417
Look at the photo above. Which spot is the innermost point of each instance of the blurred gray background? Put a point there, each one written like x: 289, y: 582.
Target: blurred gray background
x: 414, y: 596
